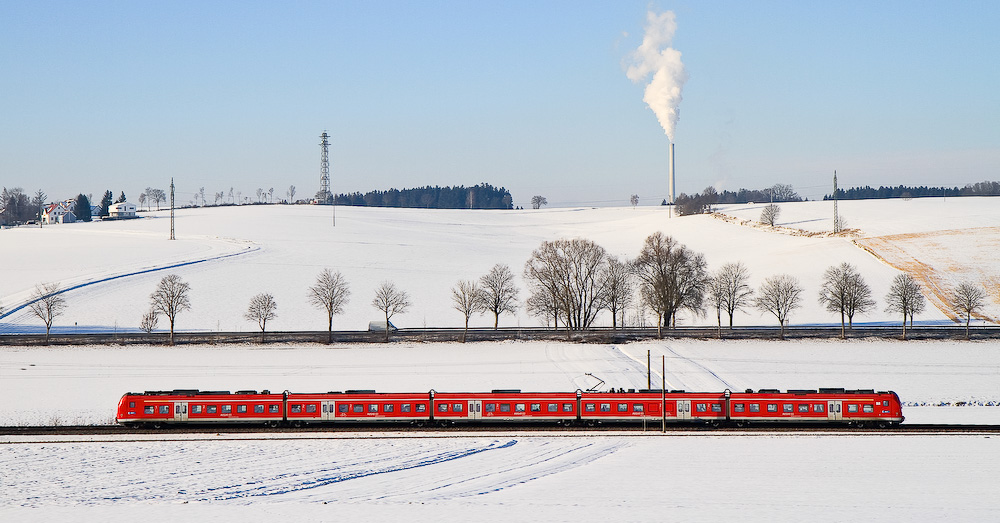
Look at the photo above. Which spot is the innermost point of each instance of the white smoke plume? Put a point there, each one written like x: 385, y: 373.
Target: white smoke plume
x: 655, y: 56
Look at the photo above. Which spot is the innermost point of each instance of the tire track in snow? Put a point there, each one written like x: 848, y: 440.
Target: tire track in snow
x: 129, y: 274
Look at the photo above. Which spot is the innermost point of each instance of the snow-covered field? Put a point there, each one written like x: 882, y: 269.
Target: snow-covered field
x: 230, y: 254
x: 241, y: 251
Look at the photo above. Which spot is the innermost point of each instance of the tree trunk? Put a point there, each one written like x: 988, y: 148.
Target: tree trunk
x: 466, y: 331
x: 843, y: 333
x: 904, y: 325
x: 387, y: 326
x: 968, y: 319
x: 171, y: 331
x: 329, y: 329
x: 496, y: 319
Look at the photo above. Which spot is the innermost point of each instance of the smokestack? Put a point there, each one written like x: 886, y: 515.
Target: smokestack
x: 671, y: 173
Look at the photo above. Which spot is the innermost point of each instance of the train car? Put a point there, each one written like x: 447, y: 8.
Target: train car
x: 186, y: 406
x: 358, y: 406
x: 505, y: 405
x: 852, y: 407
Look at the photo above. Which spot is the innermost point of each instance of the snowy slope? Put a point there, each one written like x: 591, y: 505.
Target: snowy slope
x: 281, y: 249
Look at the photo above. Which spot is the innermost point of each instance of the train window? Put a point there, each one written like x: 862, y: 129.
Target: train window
x: 131, y: 404
x: 258, y: 409
x: 295, y: 408
x: 388, y: 407
x: 567, y: 407
x: 772, y: 407
x: 852, y: 408
x: 716, y: 407
x: 311, y: 407
x: 755, y: 407
x: 536, y: 407
x: 505, y: 407
x: 442, y: 407
x: 195, y: 409
x: 212, y: 409
x: 241, y: 408
x: 490, y: 407
x: 786, y: 407
x: 342, y: 407
x: 553, y: 407
x: 373, y: 407
x: 737, y: 407
x: 404, y: 407
x: 456, y: 407
x: 589, y: 407
x: 519, y: 407
x: 421, y: 407
x: 358, y: 408
x: 149, y: 409
x: 605, y: 407
x: 819, y: 407
x: 623, y: 407
x: 227, y: 409
x: 869, y: 408
x: 701, y: 407
x: 803, y: 407
x: 885, y: 403
x: 274, y: 408
x: 637, y: 407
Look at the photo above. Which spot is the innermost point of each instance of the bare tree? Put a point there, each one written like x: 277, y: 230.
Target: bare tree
x: 634, y: 200
x: 270, y: 195
x: 467, y: 298
x: 330, y: 292
x: 262, y: 308
x: 291, y: 194
x: 905, y: 297
x: 219, y: 196
x: 499, y: 294
x: 390, y: 301
x: 201, y: 194
x: 142, y: 200
x: 149, y: 321
x: 845, y: 291
x: 616, y: 279
x: 47, y: 303
x: 170, y: 298
x: 968, y: 299
x: 260, y: 194
x: 569, y: 270
x: 542, y: 304
x: 781, y: 192
x: 770, y: 214
x: 733, y: 291
x: 671, y: 274
x: 779, y: 295
x: 538, y: 201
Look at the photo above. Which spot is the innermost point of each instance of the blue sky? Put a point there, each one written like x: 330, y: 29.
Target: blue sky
x: 531, y: 96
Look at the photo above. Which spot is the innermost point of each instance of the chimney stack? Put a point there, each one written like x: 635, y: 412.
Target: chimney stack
x: 671, y: 200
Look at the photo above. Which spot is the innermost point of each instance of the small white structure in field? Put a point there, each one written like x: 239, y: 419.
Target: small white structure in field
x: 121, y: 210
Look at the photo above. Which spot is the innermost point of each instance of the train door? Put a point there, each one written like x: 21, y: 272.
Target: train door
x: 475, y: 409
x: 328, y: 412
x: 683, y: 409
x: 834, y: 412
x: 180, y: 411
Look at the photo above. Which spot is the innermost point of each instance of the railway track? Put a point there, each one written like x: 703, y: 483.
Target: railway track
x: 594, y: 335
x: 365, y: 430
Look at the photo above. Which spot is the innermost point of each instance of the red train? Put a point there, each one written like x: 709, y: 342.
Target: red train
x: 834, y: 406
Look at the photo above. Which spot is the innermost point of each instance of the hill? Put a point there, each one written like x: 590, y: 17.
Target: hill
x: 229, y: 254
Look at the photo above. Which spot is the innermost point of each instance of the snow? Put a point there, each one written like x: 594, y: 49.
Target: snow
x: 280, y: 249
x: 230, y: 254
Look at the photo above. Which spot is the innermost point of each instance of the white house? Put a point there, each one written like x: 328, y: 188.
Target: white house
x: 58, y: 213
x: 121, y: 210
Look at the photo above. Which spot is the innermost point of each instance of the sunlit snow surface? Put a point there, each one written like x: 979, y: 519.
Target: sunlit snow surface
x: 493, y: 476
x: 684, y: 476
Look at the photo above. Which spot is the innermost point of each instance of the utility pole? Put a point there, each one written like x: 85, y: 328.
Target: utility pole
x: 172, y: 209
x: 649, y: 372
x: 663, y: 393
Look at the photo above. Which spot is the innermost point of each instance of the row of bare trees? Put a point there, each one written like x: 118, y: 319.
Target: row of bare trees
x: 572, y: 281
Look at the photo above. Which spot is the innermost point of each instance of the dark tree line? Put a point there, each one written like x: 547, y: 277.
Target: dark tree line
x: 482, y: 196
x: 902, y: 191
x: 702, y: 203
